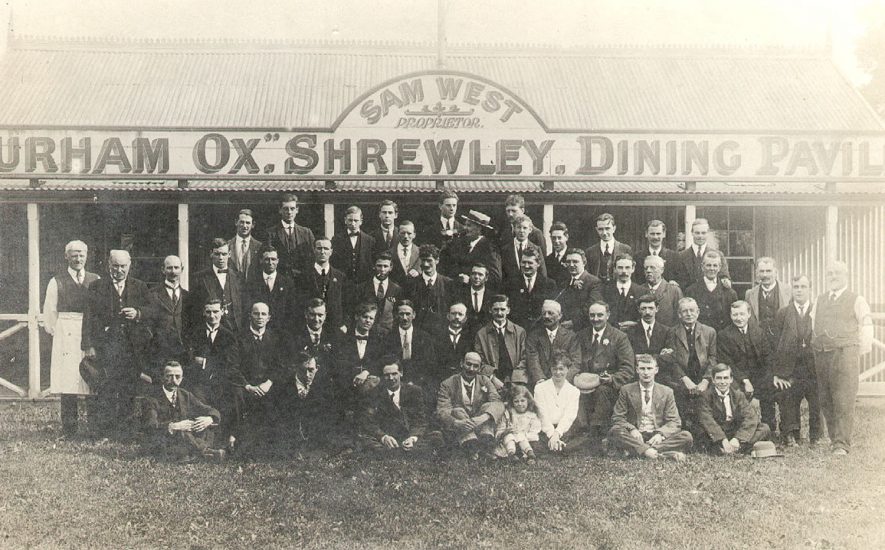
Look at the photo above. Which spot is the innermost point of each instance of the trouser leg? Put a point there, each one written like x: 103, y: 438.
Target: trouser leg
x: 822, y: 367
x: 843, y: 388
x: 620, y: 438
x: 680, y: 441
x: 69, y: 413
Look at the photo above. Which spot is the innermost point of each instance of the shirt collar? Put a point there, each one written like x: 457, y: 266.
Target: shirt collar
x: 407, y: 331
x: 268, y: 276
x: 646, y: 326
x: 287, y: 225
x: 598, y: 333
x: 170, y: 286
x: 211, y: 329
x: 838, y: 293
x: 168, y: 393
x: 376, y: 282
x: 255, y: 332
x: 73, y: 273
x: 623, y: 286
x: 215, y: 270
x: 319, y: 268
x: 552, y: 332
x: 769, y: 289
x: 654, y: 288
x: 241, y: 239
x: 720, y: 394
x: 467, y: 384
x: 804, y: 306
x: 499, y: 327
x: 431, y: 280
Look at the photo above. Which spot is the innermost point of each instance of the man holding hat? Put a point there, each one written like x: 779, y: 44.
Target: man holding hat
x: 471, y: 246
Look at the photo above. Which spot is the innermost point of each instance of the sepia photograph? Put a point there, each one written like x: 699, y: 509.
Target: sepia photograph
x: 603, y: 274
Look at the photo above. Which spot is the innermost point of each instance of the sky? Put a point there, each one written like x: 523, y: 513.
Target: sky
x: 790, y: 23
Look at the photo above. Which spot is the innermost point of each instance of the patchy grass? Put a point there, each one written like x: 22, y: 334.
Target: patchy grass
x: 56, y: 493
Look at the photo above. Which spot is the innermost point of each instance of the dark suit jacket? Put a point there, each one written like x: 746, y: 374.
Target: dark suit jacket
x: 449, y: 357
x: 790, y: 353
x: 380, y: 244
x: 628, y: 409
x: 431, y: 305
x: 209, y: 382
x: 622, y: 309
x: 671, y: 264
x: 711, y: 415
x: 510, y: 270
x: 525, y: 306
x: 705, y: 348
x: 309, y: 286
x: 314, y: 416
x: 613, y: 355
x: 748, y: 358
x: 574, y: 301
x: 714, y: 307
x: 691, y: 269
x: 109, y: 333
x: 459, y: 259
x: 381, y: 417
x: 258, y: 361
x: 556, y: 270
x: 205, y: 287
x: 159, y: 412
x: 168, y: 341
x: 668, y: 302
x: 475, y: 319
x: 384, y: 319
x: 347, y: 362
x: 486, y: 345
x: 323, y: 350
x: 423, y: 367
x: 536, y: 236
x: 660, y: 335
x: 432, y: 233
x: 596, y: 261
x: 254, y: 264
x: 539, y: 353
x: 357, y: 264
x: 397, y: 273
x: 296, y: 253
x: 281, y: 300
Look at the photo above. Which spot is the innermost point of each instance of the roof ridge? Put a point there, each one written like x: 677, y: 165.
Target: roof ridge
x: 26, y: 42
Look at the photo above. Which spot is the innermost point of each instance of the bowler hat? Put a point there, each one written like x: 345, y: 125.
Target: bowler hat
x: 91, y: 373
x: 587, y: 382
x: 764, y: 449
x: 478, y: 218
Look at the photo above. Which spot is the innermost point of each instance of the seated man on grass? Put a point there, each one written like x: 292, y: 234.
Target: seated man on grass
x: 645, y: 421
x: 727, y: 422
x: 177, y: 424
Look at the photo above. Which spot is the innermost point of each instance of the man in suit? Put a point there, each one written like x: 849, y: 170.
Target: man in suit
x: 529, y: 291
x: 621, y: 294
x: 727, y: 423
x: 268, y: 285
x: 605, y: 351
x: 843, y: 332
x: 385, y: 235
x: 514, y: 207
x: 446, y: 227
x: 177, y: 424
x: 555, y: 261
x: 690, y: 267
x: 767, y: 297
x: 406, y: 265
x: 742, y: 346
x: 323, y: 281
x: 688, y: 357
x: 166, y: 303
x: 314, y: 337
x: 383, y: 291
x: 645, y: 420
x: 413, y: 347
x: 245, y: 250
x: 545, y: 344
x: 512, y: 251
x: 431, y: 292
x: 357, y: 354
x: 213, y: 352
x: 501, y: 344
x: 116, y: 336
x: 293, y: 242
x: 667, y: 295
x: 451, y: 345
x: 67, y: 295
x: 601, y: 256
x: 476, y: 296
x: 469, y: 407
x: 655, y: 233
x: 307, y: 416
x: 579, y: 291
x: 711, y: 295
x: 352, y: 251
x: 395, y: 414
x: 470, y: 247
x: 217, y: 283
x: 648, y: 336
x: 794, y: 377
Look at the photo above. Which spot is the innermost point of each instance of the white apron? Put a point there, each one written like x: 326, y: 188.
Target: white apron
x: 64, y: 373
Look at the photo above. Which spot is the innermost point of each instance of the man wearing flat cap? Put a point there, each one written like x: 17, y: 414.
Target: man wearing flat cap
x: 471, y: 246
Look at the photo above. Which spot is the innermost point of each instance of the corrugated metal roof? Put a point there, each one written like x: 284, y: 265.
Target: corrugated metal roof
x: 618, y: 187
x: 254, y: 185
x: 301, y: 86
x: 88, y: 185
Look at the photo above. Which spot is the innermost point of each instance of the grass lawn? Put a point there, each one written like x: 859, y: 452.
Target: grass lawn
x: 55, y: 493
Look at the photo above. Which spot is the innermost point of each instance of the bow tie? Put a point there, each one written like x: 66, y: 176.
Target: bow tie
x: 360, y: 336
x: 220, y: 271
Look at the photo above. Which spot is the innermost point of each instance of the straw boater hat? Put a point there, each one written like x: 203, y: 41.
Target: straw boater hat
x: 478, y: 218
x: 587, y: 382
x: 764, y: 449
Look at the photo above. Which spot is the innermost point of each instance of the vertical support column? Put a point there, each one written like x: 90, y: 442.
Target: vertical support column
x: 547, y: 222
x: 33, y: 301
x: 184, y: 242
x: 832, y: 235
x: 329, y: 219
x: 690, y: 215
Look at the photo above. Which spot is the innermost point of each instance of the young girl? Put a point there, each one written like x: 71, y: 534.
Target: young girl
x: 519, y: 426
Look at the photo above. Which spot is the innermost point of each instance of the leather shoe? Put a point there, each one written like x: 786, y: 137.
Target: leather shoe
x: 840, y: 452
x: 678, y: 456
x: 790, y: 440
x: 215, y: 455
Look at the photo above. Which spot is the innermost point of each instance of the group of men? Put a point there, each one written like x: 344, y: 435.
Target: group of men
x: 369, y: 339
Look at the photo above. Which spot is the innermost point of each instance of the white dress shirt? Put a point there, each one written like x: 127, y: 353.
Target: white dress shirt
x: 558, y: 409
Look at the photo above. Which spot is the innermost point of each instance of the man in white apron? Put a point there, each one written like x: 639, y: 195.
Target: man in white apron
x: 66, y: 297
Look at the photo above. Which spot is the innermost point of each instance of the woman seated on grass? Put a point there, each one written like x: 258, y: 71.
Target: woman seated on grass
x: 557, y: 401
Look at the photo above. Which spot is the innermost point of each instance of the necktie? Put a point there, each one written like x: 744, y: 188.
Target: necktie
x: 429, y: 283
x: 289, y: 230
x: 80, y: 277
x: 119, y: 289
x: 314, y: 338
x: 645, y: 396
x: 475, y: 301
x: 623, y: 293
x: 243, y: 257
x: 528, y: 285
x: 552, y: 336
x: 173, y: 399
x: 648, y: 336
x: 573, y: 283
x: 359, y: 336
x: 267, y: 281
x: 407, y: 346
x: 454, y: 337
x: 379, y: 293
x: 832, y: 296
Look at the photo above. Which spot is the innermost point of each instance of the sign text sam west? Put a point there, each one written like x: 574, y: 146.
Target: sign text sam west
x: 439, y: 152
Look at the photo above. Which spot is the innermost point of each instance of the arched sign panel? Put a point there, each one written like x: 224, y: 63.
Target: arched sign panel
x: 440, y: 125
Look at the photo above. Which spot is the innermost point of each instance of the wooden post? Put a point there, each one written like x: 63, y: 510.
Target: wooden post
x: 832, y: 235
x: 690, y: 215
x: 184, y: 242
x: 329, y: 219
x: 547, y: 222
x: 33, y: 301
